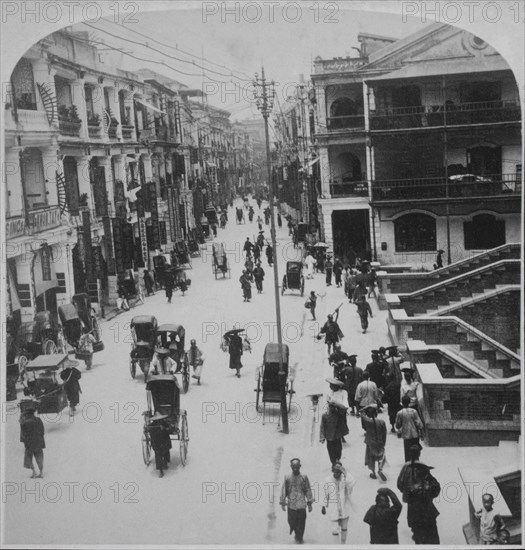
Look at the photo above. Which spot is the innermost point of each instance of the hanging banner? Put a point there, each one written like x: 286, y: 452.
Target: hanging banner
x: 118, y: 243
x: 46, y: 262
x: 128, y: 245
x: 154, y: 215
x: 176, y: 202
x: 163, y: 233
x: 110, y: 256
x: 171, y: 214
x: 142, y: 228
x: 97, y: 261
x: 88, y: 250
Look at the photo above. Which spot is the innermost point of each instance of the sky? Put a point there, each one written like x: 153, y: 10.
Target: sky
x: 237, y: 42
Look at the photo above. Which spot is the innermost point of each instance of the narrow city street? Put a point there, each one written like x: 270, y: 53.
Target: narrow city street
x: 96, y: 488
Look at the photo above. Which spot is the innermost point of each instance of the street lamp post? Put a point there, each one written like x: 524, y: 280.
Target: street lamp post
x: 264, y: 93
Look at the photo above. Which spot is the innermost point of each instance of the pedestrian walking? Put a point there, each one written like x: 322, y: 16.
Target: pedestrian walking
x: 409, y: 425
x: 169, y: 286
x: 122, y: 301
x: 71, y: 376
x: 391, y: 398
x: 364, y: 310
x: 246, y: 285
x: 339, y: 396
x: 371, y: 281
x: 419, y: 488
x: 196, y: 360
x: 296, y: 495
x: 383, y: 518
x: 490, y: 523
x: 148, y: 283
x: 337, y: 499
x: 353, y: 377
x: 235, y: 349
x: 85, y: 346
x: 439, y: 259
x: 279, y: 220
x: 248, y: 247
x: 338, y: 361
x: 32, y: 436
x: 338, y: 271
x: 309, y: 263
x: 160, y: 441
x: 269, y: 254
x: 258, y: 275
x: 393, y: 362
x: 214, y: 229
x: 260, y: 223
x: 332, y: 332
x: 366, y: 393
x: 290, y: 226
x: 311, y: 303
x: 251, y: 213
x: 376, y: 369
x: 249, y: 265
x: 260, y: 240
x: 256, y: 253
x: 333, y: 429
x: 409, y: 387
x: 328, y: 266
x: 375, y: 441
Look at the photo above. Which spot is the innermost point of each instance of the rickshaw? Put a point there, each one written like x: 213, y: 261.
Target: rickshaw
x: 220, y: 261
x: 268, y: 383
x: 181, y: 253
x: 211, y: 214
x: 177, y: 277
x: 72, y: 324
x: 294, y: 278
x: 160, y: 264
x: 130, y: 283
x: 163, y: 397
x: 193, y: 243
x: 45, y: 389
x: 173, y: 337
x: 86, y: 313
x: 144, y: 333
x: 42, y: 336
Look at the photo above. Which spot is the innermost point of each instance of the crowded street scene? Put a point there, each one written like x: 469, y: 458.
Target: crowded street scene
x: 297, y: 324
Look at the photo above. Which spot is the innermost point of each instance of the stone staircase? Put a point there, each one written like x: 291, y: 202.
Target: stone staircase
x: 394, y: 283
x: 464, y: 286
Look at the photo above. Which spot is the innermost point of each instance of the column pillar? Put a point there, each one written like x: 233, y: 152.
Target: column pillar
x: 324, y: 161
x: 119, y: 164
x: 79, y: 100
x: 114, y: 105
x: 51, y: 166
x: 320, y: 92
x: 84, y: 183
x: 14, y: 189
x: 106, y: 163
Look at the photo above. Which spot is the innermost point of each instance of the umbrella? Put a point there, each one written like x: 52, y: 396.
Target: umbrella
x: 233, y: 332
x: 467, y: 177
x: 320, y: 245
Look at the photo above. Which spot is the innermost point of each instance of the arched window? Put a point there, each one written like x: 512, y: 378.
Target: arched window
x: 24, y: 85
x: 415, y: 233
x: 484, y: 231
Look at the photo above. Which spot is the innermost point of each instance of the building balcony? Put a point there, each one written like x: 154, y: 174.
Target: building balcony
x: 112, y: 131
x: 94, y: 131
x: 459, y: 187
x: 350, y: 122
x: 128, y: 131
x: 485, y: 112
x: 69, y: 128
x: 42, y: 219
x: 349, y: 189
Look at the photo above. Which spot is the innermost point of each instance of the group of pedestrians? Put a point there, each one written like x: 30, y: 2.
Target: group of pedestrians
x: 253, y: 270
x: 418, y: 489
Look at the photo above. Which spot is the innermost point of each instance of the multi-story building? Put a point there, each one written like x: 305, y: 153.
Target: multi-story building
x: 420, y: 148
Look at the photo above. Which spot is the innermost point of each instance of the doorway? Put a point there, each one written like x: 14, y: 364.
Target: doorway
x: 351, y: 234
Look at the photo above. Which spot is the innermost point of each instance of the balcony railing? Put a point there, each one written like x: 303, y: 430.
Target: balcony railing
x: 68, y: 128
x: 112, y: 131
x: 349, y: 189
x: 94, y: 131
x: 436, y: 188
x: 484, y: 112
x: 350, y: 122
x: 128, y: 131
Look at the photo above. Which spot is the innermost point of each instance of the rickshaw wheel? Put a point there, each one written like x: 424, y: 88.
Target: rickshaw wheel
x: 290, y: 392
x: 185, y: 374
x: 50, y: 347
x: 146, y: 448
x: 132, y: 368
x: 22, y: 363
x: 184, y: 438
x: 258, y: 390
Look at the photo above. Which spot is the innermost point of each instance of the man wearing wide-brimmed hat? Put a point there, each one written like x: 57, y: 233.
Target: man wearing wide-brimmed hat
x: 333, y: 429
x: 71, y: 376
x: 162, y: 363
x: 339, y: 397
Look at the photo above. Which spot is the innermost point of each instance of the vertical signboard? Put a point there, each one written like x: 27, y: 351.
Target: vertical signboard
x: 118, y: 243
x: 171, y: 214
x: 88, y: 247
x: 142, y: 229
x: 110, y: 256
x: 154, y: 215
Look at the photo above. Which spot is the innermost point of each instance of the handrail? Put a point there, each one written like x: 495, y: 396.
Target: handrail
x: 444, y: 108
x: 466, y: 275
